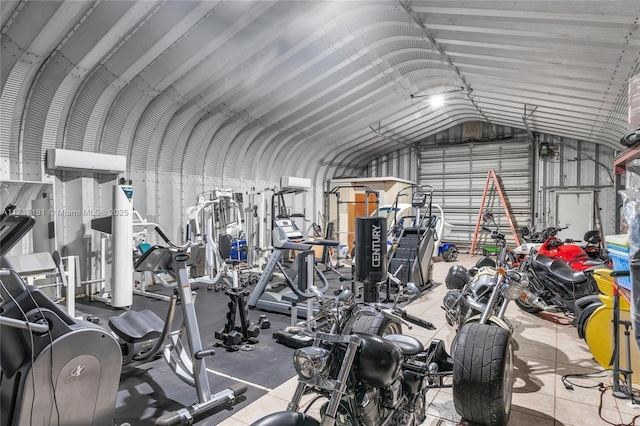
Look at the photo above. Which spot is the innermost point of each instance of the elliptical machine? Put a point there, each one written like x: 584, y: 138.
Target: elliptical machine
x: 55, y: 370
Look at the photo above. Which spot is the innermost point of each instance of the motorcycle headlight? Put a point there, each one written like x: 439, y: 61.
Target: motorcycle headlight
x: 512, y: 291
x: 311, y: 362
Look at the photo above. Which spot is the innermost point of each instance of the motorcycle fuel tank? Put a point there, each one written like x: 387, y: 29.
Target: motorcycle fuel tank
x: 378, y: 361
x: 482, y: 283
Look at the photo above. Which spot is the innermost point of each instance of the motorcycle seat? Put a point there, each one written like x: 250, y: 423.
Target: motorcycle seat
x: 407, y: 344
x: 563, y: 271
x: 559, y: 268
x: 542, y: 260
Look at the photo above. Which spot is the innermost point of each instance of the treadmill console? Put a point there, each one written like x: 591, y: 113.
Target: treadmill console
x: 419, y: 199
x: 286, y: 231
x: 287, y: 235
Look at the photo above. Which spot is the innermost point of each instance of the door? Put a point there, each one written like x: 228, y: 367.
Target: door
x: 359, y: 208
x: 575, y: 210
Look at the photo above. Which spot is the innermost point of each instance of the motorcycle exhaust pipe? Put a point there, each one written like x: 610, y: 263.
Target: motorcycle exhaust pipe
x: 536, y: 301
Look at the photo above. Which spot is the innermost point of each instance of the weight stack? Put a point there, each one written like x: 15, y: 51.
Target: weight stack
x: 371, y: 254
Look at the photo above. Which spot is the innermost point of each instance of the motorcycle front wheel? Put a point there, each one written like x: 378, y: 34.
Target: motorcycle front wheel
x: 483, y: 374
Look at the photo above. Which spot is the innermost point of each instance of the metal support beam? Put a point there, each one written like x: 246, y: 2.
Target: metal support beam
x: 445, y: 58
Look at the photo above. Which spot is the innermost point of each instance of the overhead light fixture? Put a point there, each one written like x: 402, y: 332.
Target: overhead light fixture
x: 437, y: 101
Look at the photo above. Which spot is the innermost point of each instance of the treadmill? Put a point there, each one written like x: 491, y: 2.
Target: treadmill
x: 286, y: 235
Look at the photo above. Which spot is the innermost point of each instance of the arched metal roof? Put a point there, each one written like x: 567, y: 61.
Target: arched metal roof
x: 259, y: 89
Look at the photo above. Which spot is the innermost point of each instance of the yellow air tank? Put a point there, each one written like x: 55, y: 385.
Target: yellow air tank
x: 599, y: 327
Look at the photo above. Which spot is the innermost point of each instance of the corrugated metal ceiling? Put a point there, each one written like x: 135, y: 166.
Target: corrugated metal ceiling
x: 260, y: 89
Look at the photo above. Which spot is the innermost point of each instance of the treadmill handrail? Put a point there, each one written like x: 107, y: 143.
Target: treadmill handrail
x: 290, y: 245
x: 304, y: 295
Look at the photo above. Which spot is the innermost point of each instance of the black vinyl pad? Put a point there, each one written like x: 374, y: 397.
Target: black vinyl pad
x: 134, y: 326
x: 155, y: 259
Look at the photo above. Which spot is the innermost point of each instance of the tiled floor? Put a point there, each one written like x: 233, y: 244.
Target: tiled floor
x: 546, y: 348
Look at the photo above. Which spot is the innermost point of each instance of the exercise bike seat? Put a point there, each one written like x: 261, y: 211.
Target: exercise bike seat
x: 136, y: 326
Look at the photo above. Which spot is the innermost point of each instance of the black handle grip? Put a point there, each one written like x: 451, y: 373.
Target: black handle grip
x: 238, y: 389
x: 163, y: 235
x: 418, y: 321
x: 620, y: 273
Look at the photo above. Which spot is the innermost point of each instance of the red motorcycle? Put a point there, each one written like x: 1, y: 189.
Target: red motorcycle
x: 574, y: 255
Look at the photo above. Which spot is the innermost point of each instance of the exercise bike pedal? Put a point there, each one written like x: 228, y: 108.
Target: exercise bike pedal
x: 203, y: 354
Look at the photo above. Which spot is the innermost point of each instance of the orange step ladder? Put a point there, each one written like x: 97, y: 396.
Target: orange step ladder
x: 492, y: 178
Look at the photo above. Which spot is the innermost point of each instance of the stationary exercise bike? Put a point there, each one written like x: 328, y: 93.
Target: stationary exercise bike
x: 142, y: 334
x: 54, y: 370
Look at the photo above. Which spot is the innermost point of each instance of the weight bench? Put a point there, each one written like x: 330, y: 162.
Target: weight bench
x: 34, y: 268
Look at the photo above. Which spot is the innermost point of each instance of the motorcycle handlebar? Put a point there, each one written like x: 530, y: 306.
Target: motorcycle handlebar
x: 417, y: 321
x: 494, y: 234
x: 402, y: 317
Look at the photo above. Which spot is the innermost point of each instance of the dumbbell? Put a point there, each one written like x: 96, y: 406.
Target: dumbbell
x: 264, y: 322
x: 252, y: 330
x: 233, y: 338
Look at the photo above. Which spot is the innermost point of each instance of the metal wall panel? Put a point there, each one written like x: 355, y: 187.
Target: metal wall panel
x: 174, y: 141
x: 38, y: 104
x: 13, y: 98
x: 458, y: 171
x: 83, y: 107
x: 575, y: 165
x: 459, y: 176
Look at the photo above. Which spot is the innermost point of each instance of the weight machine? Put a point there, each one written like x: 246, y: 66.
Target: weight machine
x: 118, y: 292
x: 336, y: 191
x: 257, y: 230
x: 208, y: 220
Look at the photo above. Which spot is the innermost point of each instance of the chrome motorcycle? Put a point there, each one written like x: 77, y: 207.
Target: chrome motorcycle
x: 484, y: 292
x: 370, y: 380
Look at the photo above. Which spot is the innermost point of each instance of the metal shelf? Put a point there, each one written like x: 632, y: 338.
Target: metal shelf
x: 620, y: 162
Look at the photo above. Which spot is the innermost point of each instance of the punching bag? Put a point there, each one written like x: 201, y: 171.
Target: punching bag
x: 371, y: 255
